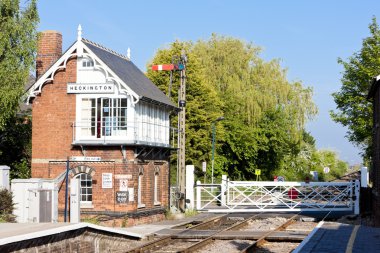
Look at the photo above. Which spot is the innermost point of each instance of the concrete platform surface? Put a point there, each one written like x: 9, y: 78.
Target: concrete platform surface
x: 339, y: 237
x: 15, y: 232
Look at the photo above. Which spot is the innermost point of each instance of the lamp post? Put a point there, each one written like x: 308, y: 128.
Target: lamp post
x: 213, y: 146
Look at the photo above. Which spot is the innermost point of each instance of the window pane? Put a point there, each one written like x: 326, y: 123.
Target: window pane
x: 86, y: 187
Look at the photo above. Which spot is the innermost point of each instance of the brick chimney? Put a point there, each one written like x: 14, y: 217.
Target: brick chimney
x: 49, y: 50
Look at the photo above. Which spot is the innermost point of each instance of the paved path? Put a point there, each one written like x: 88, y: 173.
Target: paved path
x: 338, y: 237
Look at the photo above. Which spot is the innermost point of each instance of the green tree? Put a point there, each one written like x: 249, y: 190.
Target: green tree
x: 354, y: 109
x: 328, y: 158
x: 16, y: 146
x: 18, y: 42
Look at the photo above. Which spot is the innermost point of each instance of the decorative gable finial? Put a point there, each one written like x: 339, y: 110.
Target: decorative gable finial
x: 129, y: 53
x: 79, y: 32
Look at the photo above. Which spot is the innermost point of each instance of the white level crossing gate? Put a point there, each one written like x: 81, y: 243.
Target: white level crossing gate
x: 245, y: 196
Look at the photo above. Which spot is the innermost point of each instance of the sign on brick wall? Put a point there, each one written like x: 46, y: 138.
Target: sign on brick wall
x: 131, y: 194
x: 122, y: 197
x: 123, y: 184
x: 107, y: 180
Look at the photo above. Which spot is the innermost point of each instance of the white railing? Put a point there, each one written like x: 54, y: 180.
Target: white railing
x: 133, y: 133
x: 242, y: 196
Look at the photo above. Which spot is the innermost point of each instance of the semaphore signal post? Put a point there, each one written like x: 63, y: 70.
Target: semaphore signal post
x: 181, y: 167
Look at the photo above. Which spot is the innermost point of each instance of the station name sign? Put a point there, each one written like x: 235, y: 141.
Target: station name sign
x: 90, y: 88
x: 85, y: 159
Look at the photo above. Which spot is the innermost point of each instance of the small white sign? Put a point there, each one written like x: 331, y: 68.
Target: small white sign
x: 106, y: 180
x: 123, y: 185
x: 204, y: 165
x: 326, y: 170
x: 122, y: 176
x: 85, y: 158
x: 131, y: 194
x: 89, y: 88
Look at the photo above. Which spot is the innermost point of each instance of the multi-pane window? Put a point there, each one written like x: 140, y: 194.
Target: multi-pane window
x: 85, y: 188
x: 103, y: 117
x: 153, y: 123
x: 87, y: 63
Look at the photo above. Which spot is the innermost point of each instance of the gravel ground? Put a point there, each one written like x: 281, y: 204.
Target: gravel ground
x: 220, y: 246
x: 277, y: 247
x: 175, y: 246
x: 264, y: 224
x: 302, y: 226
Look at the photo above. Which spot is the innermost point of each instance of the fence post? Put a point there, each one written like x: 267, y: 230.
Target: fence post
x: 198, y: 195
x: 357, y: 195
x: 364, y: 177
x: 223, y: 187
x: 4, y: 177
x: 190, y: 187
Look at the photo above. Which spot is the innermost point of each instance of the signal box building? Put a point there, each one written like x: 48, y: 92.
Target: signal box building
x: 95, y: 108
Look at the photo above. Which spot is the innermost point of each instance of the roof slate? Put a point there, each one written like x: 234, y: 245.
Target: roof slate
x: 129, y: 74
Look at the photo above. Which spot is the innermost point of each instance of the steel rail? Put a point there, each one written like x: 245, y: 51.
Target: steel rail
x: 211, y: 238
x: 171, y: 239
x: 166, y: 239
x: 251, y: 248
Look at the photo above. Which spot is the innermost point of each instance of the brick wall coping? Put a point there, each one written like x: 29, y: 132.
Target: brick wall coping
x: 16, y: 232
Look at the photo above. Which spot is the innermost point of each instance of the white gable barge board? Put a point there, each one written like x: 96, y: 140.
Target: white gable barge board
x: 15, y: 232
x: 48, y: 76
x: 117, y: 68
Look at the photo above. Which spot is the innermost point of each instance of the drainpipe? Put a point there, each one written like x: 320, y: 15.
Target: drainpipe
x: 67, y: 186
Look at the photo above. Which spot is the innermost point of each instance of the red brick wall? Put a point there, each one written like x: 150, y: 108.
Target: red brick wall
x: 104, y: 199
x: 49, y: 50
x: 53, y: 114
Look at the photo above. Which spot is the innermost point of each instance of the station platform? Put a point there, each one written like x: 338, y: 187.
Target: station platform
x: 339, y: 237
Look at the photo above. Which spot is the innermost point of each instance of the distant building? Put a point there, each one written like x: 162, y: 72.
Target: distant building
x: 95, y: 107
x: 374, y: 96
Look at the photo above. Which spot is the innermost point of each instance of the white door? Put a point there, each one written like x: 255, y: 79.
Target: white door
x: 75, y: 200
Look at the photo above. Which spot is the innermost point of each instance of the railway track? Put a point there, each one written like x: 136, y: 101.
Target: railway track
x: 230, y: 233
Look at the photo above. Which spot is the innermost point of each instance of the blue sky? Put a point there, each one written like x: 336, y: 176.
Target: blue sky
x: 308, y: 37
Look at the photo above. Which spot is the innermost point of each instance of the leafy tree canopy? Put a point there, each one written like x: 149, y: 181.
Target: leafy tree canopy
x: 264, y: 113
x: 18, y: 42
x: 353, y: 108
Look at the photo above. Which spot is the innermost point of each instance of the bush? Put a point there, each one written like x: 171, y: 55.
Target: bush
x: 6, y: 206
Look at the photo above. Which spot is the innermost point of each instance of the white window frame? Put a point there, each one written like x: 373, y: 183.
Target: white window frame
x: 85, y: 203
x: 139, y: 191
x: 86, y: 64
x: 156, y: 188
x: 78, y: 131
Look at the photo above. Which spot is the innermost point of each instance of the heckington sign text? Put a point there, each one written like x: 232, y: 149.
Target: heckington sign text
x: 90, y: 88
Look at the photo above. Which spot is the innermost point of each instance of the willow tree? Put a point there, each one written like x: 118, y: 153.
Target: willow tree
x: 265, y: 113
x: 18, y: 43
